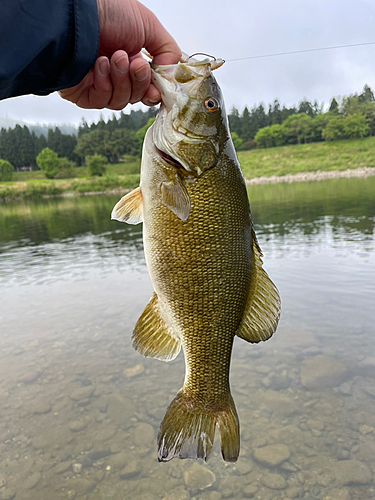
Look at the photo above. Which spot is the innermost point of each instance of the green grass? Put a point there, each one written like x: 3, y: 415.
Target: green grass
x: 33, y: 184
x: 323, y: 156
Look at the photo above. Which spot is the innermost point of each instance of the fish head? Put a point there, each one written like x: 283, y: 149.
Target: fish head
x: 191, y: 127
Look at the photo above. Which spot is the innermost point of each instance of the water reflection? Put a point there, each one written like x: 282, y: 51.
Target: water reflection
x: 80, y: 409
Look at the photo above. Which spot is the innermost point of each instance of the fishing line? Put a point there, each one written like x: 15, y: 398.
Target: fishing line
x: 300, y: 51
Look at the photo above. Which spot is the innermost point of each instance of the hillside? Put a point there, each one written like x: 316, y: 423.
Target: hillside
x: 314, y: 157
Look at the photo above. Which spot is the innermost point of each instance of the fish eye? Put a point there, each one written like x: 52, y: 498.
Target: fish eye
x: 211, y: 104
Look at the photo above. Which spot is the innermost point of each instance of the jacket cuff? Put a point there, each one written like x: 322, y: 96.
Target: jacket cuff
x: 86, y: 45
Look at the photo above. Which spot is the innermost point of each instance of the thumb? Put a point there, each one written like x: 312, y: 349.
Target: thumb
x: 158, y: 42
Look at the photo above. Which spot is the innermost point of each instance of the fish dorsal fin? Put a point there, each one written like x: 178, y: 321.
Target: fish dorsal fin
x: 130, y: 208
x: 152, y: 337
x: 263, y: 305
x: 175, y: 197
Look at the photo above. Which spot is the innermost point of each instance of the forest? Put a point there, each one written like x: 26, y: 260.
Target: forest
x: 258, y: 127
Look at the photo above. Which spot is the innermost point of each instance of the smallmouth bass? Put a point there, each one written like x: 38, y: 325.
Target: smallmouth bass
x: 202, y: 255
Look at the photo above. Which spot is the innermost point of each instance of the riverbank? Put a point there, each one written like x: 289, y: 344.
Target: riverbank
x: 295, y: 163
x: 313, y: 176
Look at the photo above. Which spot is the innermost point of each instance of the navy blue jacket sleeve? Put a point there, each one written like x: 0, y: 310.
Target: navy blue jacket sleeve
x: 46, y: 45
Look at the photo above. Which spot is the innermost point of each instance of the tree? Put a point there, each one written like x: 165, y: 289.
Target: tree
x: 247, y: 131
x: 141, y: 133
x: 237, y: 142
x: 298, y: 127
x: 6, y: 171
x: 263, y: 137
x: 318, y: 124
x: 48, y: 161
x: 355, y: 126
x: 335, y: 129
x: 97, y: 164
x: 268, y: 137
x: 65, y: 169
x: 367, y: 95
x: 306, y: 107
x: 234, y: 121
x: 334, y: 106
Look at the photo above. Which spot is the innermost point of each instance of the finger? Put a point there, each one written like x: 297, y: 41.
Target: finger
x: 121, y: 80
x: 100, y: 93
x: 159, y: 43
x: 140, y: 73
x: 76, y: 93
x: 152, y: 97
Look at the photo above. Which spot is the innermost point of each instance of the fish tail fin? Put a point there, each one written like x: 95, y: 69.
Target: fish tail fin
x: 188, y: 430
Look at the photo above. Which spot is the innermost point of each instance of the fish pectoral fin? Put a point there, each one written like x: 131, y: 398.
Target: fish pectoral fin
x: 130, y: 208
x: 263, y: 305
x: 152, y: 337
x: 175, y: 197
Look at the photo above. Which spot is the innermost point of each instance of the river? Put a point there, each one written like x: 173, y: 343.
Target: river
x: 80, y: 409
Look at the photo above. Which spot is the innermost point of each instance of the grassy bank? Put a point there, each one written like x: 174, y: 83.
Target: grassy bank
x: 28, y: 185
x: 318, y: 156
x: 323, y: 156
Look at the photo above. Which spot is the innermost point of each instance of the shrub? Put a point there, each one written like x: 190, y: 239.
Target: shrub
x: 96, y: 164
x: 48, y: 161
x: 66, y: 169
x: 6, y: 170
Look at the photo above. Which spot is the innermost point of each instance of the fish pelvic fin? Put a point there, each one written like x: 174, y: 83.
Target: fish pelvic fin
x: 130, y: 208
x: 152, y: 337
x: 263, y: 307
x: 188, y: 430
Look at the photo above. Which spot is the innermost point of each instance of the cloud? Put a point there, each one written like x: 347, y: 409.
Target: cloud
x: 241, y: 28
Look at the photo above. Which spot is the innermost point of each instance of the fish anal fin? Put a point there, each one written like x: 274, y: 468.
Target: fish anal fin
x: 152, y: 337
x: 129, y: 209
x: 188, y: 430
x: 263, y: 306
x: 175, y: 197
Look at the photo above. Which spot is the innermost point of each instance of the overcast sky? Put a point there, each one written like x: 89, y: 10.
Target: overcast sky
x: 242, y: 28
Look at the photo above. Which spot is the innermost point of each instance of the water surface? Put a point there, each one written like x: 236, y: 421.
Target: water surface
x: 80, y: 409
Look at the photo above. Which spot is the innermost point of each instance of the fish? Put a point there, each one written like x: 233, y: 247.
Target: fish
x: 202, y: 255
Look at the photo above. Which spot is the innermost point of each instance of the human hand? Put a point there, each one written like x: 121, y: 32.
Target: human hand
x: 121, y: 75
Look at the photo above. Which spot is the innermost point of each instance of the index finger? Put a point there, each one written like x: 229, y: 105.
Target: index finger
x: 159, y: 43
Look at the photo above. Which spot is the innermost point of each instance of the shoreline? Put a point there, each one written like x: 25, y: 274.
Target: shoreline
x: 274, y: 179
x: 313, y: 176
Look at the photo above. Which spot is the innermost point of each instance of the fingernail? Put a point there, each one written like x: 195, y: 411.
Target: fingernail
x: 153, y: 100
x: 104, y: 67
x: 122, y: 65
x: 141, y: 73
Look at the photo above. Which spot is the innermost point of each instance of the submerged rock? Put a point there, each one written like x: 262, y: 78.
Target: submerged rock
x: 132, y: 372
x: 272, y: 455
x: 39, y: 407
x: 322, y: 371
x: 30, y: 377
x: 274, y: 481
x: 82, y: 393
x: 31, y: 481
x: 199, y: 477
x: 178, y: 493
x: 132, y: 470
x: 77, y: 425
x: 352, y: 472
x: 337, y: 494
x: 8, y: 493
x: 144, y: 436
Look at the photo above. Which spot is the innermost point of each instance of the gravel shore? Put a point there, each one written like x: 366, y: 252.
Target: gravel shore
x: 313, y: 176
